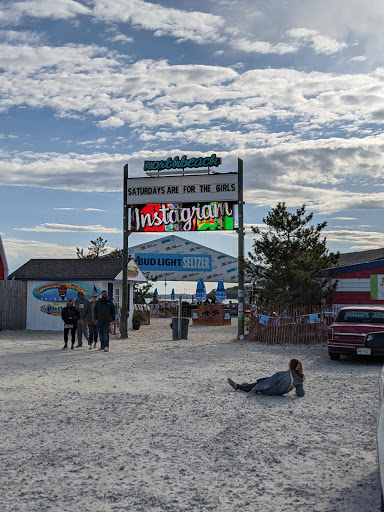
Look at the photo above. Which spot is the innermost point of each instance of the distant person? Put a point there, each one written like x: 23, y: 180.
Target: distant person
x: 82, y: 305
x: 92, y: 322
x: 104, y: 314
x: 279, y: 383
x: 70, y: 316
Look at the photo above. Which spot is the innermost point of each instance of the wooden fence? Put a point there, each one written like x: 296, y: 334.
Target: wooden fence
x: 13, y: 304
x: 297, y: 325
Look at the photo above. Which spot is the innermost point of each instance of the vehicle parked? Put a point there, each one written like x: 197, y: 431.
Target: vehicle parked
x: 380, y: 436
x: 355, y: 331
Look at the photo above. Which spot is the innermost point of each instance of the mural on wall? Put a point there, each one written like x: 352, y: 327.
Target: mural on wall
x: 61, y: 292
x: 53, y: 309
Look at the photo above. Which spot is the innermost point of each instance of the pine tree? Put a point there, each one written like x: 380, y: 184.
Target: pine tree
x: 96, y: 250
x: 291, y: 259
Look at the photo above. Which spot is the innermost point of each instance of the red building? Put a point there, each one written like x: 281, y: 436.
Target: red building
x: 360, y: 277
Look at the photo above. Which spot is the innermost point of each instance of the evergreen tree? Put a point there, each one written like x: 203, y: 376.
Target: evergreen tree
x: 291, y: 259
x: 96, y: 250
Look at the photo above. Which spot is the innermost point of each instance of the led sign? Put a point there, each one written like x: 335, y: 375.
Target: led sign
x: 182, y: 217
x: 182, y: 163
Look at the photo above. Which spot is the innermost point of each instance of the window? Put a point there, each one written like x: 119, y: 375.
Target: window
x: 117, y: 296
x: 361, y: 316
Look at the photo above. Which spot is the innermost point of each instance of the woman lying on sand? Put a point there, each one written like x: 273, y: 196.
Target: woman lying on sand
x: 279, y: 383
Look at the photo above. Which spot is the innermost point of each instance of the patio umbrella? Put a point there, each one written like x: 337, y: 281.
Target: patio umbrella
x: 155, y: 294
x: 220, y: 294
x: 173, y: 294
x: 201, y: 293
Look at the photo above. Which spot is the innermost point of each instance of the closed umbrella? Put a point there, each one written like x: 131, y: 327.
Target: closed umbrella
x: 155, y: 294
x: 173, y: 294
x: 201, y: 293
x: 220, y: 294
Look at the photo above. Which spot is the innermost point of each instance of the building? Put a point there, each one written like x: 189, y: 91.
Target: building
x: 50, y: 282
x: 360, y: 277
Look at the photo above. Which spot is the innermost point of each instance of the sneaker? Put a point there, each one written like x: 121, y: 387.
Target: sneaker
x: 72, y: 347
x: 65, y: 346
x: 100, y: 349
x: 90, y: 347
x: 78, y: 345
x: 106, y: 349
x: 232, y: 383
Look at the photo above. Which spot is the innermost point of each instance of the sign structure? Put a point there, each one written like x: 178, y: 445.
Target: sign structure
x: 183, y: 189
x: 182, y: 217
x: 176, y: 259
x: 184, y: 162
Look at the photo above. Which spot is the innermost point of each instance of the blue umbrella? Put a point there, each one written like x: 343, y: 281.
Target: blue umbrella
x: 201, y: 293
x: 220, y: 294
x: 173, y: 294
x: 155, y: 294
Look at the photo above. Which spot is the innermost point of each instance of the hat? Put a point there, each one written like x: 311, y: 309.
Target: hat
x: 104, y: 291
x: 78, y: 293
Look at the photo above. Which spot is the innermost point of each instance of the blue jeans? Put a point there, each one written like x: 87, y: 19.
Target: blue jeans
x: 92, y: 334
x: 104, y: 333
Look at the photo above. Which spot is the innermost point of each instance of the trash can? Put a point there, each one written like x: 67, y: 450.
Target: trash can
x: 184, y: 328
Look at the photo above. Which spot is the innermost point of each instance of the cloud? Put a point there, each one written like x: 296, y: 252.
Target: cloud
x: 59, y: 9
x: 80, y: 209
x: 320, y: 43
x: 49, y: 227
x: 202, y: 28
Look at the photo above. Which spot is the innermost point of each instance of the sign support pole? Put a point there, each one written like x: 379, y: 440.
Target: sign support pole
x: 124, y: 300
x: 240, y: 233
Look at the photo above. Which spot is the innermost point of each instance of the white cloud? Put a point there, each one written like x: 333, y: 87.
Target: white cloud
x: 59, y: 9
x: 50, y: 227
x: 320, y: 43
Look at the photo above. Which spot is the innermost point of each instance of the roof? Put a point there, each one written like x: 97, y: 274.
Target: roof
x: 355, y: 258
x: 105, y: 269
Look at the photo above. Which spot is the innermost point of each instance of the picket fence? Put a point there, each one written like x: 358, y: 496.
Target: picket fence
x: 307, y: 324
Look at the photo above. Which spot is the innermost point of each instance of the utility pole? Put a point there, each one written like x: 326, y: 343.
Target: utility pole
x: 126, y: 232
x: 240, y: 233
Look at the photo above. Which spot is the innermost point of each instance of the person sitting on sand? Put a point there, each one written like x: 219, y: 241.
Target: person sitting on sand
x: 279, y: 383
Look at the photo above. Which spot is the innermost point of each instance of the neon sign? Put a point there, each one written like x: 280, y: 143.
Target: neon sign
x: 182, y: 217
x: 182, y: 163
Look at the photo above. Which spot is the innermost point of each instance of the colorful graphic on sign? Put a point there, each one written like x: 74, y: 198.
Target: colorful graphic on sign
x: 182, y: 163
x: 133, y: 271
x: 53, y: 309
x: 55, y: 292
x: 182, y: 217
x: 178, y: 262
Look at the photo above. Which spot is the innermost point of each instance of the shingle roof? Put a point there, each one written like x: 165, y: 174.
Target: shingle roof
x: 355, y: 258
x: 51, y: 270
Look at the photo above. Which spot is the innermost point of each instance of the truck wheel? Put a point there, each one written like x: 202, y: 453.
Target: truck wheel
x: 334, y: 357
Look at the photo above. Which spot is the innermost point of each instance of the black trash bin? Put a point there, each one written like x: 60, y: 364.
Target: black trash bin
x: 184, y: 328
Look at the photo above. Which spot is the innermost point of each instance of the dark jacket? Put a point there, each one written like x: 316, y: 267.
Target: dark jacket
x: 70, y: 315
x: 280, y: 383
x: 104, y: 311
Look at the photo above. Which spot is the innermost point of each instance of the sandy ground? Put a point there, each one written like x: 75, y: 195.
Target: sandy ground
x: 154, y: 426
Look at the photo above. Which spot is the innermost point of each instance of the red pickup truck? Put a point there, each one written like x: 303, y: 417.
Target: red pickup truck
x: 357, y: 331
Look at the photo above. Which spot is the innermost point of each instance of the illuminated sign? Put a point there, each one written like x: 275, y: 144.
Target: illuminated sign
x: 174, y: 262
x: 182, y: 217
x: 182, y: 163
x: 183, y: 189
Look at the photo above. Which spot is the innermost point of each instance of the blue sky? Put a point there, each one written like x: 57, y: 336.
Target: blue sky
x: 295, y: 89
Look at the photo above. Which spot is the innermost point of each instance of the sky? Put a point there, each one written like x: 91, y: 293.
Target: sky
x: 295, y: 89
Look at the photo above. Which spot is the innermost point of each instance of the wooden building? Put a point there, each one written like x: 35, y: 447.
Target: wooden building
x: 50, y: 282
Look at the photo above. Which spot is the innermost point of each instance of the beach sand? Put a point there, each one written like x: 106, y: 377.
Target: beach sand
x: 154, y: 426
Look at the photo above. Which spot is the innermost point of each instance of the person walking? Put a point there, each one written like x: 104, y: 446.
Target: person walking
x: 92, y: 322
x: 279, y: 383
x: 104, y: 314
x: 82, y: 305
x: 70, y: 315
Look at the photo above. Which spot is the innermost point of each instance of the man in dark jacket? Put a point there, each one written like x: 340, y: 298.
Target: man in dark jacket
x: 70, y: 315
x: 104, y: 314
x: 82, y: 305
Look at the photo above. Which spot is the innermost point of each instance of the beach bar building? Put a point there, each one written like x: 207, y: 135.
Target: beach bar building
x: 360, y: 277
x: 50, y: 282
